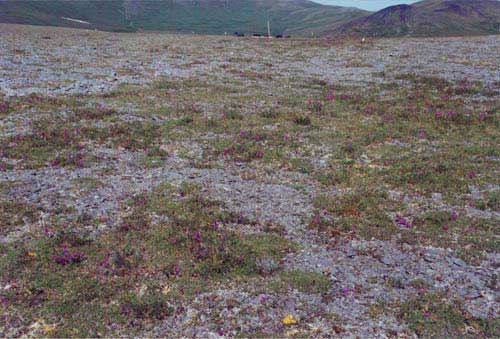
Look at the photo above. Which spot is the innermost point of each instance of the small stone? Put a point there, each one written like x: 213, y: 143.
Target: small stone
x: 387, y: 261
x: 474, y: 294
x: 267, y: 265
x: 386, y: 297
x: 438, y: 197
x: 351, y: 253
x: 458, y: 262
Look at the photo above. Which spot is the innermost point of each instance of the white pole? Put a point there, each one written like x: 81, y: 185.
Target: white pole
x: 268, y: 30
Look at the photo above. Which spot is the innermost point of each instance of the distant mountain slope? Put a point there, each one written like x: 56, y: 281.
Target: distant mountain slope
x: 101, y: 14
x: 430, y: 18
x: 297, y: 17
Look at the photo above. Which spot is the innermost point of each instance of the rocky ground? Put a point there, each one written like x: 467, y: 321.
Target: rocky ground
x: 173, y: 185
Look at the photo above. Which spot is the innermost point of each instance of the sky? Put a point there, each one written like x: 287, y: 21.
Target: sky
x: 371, y: 5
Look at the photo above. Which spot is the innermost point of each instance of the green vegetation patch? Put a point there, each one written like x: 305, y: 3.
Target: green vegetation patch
x: 363, y: 211
x: 171, y: 246
x: 306, y: 282
x: 436, y: 316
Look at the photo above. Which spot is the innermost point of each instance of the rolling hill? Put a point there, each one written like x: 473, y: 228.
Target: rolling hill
x: 295, y: 17
x: 290, y: 17
x: 429, y: 18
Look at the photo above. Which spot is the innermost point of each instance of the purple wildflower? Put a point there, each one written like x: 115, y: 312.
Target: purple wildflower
x: 79, y: 163
x: 4, y: 107
x: 259, y: 154
x: 66, y: 136
x: 421, y: 133
x: 67, y: 258
x: 4, y: 300
x: 330, y: 96
x: 244, y: 134
x: 105, y: 261
x: 347, y: 291
x: 125, y: 310
x: 402, y: 221
x: 202, y: 253
x: 317, y: 218
x: 228, y: 151
x: 197, y: 236
x: 454, y: 216
x: 258, y: 137
x: 316, y: 105
x: 55, y: 162
x: 240, y: 219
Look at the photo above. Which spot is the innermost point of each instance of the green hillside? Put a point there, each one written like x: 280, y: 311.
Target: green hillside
x: 430, y: 18
x: 290, y: 17
x: 297, y: 17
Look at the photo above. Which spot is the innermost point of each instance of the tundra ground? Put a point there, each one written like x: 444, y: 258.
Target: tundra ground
x: 202, y: 186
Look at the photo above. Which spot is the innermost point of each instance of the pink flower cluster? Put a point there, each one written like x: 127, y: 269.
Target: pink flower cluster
x: 400, y: 221
x: 4, y: 107
x: 67, y: 257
